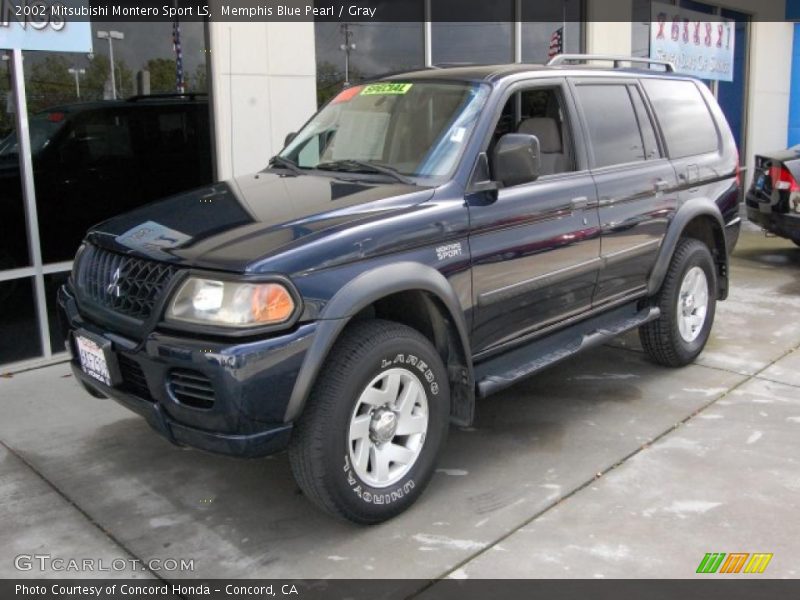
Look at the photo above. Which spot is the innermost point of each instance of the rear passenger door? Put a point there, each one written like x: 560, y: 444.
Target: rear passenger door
x: 636, y: 184
x: 691, y: 137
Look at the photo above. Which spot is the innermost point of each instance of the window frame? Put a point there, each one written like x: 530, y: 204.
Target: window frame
x: 711, y: 115
x: 578, y: 142
x: 627, y: 83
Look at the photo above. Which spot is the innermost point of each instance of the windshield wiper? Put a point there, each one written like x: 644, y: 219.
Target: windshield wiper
x: 286, y: 164
x: 359, y: 166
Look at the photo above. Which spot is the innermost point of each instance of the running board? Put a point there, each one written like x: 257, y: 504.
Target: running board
x: 507, y: 369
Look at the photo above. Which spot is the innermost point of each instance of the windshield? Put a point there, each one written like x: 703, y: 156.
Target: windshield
x: 414, y: 129
x: 43, y: 126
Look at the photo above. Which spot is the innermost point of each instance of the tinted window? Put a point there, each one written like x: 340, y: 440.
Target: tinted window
x: 612, y: 125
x: 683, y: 115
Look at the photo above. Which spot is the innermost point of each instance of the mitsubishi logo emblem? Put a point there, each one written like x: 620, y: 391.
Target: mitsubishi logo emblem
x: 113, y: 288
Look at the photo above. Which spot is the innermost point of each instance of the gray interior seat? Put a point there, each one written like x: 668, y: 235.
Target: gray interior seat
x: 554, y: 160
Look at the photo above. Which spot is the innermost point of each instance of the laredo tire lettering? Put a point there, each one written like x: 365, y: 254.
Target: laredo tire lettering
x: 412, y: 360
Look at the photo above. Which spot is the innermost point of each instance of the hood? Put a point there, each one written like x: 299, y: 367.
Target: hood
x: 237, y: 223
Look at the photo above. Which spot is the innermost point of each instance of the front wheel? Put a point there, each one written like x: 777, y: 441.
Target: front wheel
x: 367, y: 442
x: 687, y: 300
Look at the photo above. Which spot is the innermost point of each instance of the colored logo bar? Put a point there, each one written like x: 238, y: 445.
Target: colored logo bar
x: 735, y: 562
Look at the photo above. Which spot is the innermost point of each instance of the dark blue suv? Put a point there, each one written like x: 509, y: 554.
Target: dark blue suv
x: 425, y: 240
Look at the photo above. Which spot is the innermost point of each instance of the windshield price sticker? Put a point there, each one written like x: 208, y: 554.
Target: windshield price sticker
x: 378, y: 89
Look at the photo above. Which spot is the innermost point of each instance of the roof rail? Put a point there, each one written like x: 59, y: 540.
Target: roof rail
x: 176, y: 95
x: 452, y: 64
x: 617, y: 60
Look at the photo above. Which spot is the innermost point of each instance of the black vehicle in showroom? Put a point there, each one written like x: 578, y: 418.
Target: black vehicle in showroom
x: 773, y: 200
x: 425, y: 240
x: 94, y: 160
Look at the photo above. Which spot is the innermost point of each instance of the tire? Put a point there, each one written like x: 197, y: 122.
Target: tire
x: 678, y: 336
x: 339, y: 448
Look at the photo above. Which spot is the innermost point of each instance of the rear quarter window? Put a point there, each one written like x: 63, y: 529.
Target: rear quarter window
x: 683, y: 115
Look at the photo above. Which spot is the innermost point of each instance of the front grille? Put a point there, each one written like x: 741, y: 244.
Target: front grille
x: 191, y: 388
x: 133, y: 379
x: 125, y: 284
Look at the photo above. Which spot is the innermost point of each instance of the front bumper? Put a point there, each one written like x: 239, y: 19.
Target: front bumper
x: 251, y: 381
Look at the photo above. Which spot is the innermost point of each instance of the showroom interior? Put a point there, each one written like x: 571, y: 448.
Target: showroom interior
x: 249, y: 84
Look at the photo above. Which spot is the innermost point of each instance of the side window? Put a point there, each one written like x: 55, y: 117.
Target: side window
x: 612, y: 125
x: 684, y: 117
x: 539, y: 112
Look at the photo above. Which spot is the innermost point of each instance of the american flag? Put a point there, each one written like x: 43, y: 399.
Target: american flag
x: 180, y: 84
x: 556, y: 43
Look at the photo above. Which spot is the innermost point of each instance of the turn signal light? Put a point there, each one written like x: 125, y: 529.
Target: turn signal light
x: 271, y: 303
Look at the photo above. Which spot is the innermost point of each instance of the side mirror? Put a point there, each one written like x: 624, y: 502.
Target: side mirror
x: 289, y: 137
x: 516, y: 159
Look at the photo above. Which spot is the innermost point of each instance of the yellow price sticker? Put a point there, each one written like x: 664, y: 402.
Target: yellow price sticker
x: 379, y: 89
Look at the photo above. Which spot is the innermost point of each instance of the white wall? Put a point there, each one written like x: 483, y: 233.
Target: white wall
x: 263, y: 85
x: 608, y: 37
x: 770, y: 81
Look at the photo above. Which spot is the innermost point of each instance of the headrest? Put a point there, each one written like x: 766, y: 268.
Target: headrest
x: 546, y: 130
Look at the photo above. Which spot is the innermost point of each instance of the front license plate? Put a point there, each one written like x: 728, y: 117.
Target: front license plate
x: 93, y: 359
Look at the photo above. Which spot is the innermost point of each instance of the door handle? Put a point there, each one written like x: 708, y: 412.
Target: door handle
x: 661, y: 185
x: 579, y: 203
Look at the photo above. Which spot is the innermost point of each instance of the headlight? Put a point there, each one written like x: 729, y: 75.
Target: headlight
x: 231, y: 303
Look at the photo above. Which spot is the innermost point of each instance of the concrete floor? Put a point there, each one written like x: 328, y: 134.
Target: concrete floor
x: 603, y: 466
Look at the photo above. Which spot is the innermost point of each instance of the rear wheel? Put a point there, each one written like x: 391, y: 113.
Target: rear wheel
x: 687, y: 300
x: 367, y: 442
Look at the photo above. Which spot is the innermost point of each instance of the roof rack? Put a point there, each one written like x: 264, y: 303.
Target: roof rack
x: 177, y: 95
x: 452, y: 64
x: 617, y: 60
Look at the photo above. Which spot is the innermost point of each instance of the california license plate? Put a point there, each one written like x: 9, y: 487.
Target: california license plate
x: 93, y: 359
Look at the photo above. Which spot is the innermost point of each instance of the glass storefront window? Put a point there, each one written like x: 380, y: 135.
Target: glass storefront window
x: 481, y: 42
x: 14, y: 239
x: 19, y: 328
x: 104, y: 139
x: 97, y: 154
x: 379, y: 48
